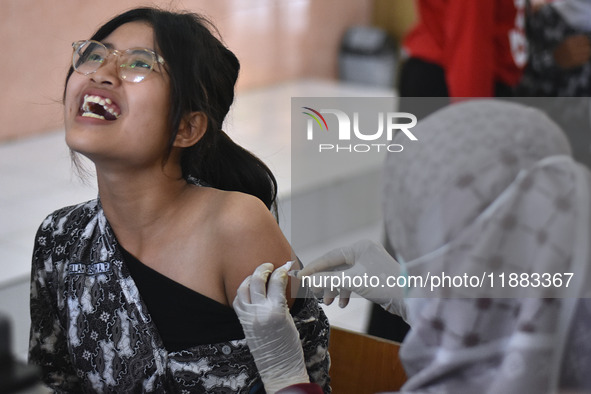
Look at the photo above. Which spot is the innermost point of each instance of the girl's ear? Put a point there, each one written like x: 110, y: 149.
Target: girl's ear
x: 191, y: 130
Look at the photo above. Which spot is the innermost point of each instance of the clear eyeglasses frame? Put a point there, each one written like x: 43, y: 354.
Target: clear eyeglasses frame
x: 133, y: 65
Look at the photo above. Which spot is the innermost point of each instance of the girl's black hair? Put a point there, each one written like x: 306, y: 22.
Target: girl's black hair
x: 203, y: 73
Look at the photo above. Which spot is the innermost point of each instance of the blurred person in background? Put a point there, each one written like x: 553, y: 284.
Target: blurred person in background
x: 559, y: 37
x: 464, y: 48
x: 559, y: 66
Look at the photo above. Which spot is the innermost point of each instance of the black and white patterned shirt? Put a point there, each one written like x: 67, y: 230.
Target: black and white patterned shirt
x: 91, y: 331
x: 542, y: 77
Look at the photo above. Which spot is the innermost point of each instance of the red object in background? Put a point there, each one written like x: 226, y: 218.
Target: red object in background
x: 477, y: 43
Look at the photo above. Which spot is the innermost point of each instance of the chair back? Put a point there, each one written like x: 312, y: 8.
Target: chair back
x: 363, y: 363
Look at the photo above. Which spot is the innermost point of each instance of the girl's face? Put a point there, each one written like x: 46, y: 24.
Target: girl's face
x: 135, y: 132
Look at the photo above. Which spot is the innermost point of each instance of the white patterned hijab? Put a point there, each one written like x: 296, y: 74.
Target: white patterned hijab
x: 490, y: 189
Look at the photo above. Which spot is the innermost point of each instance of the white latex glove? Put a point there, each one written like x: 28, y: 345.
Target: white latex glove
x: 362, y: 268
x: 270, y: 331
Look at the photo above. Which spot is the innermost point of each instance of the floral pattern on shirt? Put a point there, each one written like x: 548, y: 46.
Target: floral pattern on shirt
x: 91, y: 332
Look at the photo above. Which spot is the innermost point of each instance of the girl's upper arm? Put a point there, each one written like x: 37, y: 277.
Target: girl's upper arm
x: 250, y: 236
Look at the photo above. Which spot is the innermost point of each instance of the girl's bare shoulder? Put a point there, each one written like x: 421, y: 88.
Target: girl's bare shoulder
x: 247, y: 235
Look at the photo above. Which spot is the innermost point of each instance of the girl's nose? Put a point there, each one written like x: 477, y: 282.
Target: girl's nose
x: 107, y: 73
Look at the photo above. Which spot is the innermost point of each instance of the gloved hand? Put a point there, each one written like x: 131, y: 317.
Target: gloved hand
x: 362, y: 268
x: 270, y: 330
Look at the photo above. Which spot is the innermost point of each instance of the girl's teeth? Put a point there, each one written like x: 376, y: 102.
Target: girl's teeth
x: 104, y: 102
x: 92, y: 115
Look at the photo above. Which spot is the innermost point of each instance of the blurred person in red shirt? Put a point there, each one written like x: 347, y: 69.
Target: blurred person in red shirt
x: 465, y: 48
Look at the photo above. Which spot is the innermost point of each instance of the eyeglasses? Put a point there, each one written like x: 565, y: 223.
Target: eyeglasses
x: 133, y: 64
